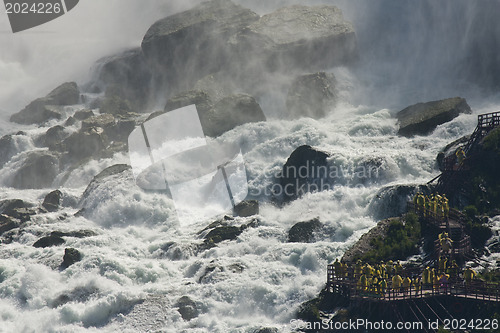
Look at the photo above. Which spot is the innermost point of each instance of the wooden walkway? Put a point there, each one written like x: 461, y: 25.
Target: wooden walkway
x: 347, y: 286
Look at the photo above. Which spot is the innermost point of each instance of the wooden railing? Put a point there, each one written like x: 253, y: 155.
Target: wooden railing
x: 347, y: 286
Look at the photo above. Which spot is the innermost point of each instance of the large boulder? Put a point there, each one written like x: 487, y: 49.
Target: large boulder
x: 8, y: 223
x: 311, y: 95
x: 52, y: 201
x: 88, y: 142
x: 53, y: 137
x: 304, y: 37
x: 127, y: 74
x: 71, y: 256
x: 46, y: 108
x: 230, y: 112
x: 38, y: 171
x: 10, y: 146
x: 187, y: 308
x: 423, y: 118
x: 303, y: 232
x: 306, y: 170
x: 187, y: 46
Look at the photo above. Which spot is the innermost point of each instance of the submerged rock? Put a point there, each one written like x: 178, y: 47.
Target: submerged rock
x: 304, y: 171
x: 311, y: 95
x: 42, y: 109
x: 303, y: 232
x: 423, y: 118
x: 38, y: 171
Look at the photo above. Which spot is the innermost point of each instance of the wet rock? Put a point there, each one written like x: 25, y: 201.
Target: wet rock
x: 52, y: 201
x: 303, y: 232
x: 48, y: 241
x: 173, y: 45
x: 22, y: 214
x: 42, y: 109
x: 187, y: 308
x: 83, y: 114
x: 127, y: 75
x: 423, y: 118
x: 200, y: 98
x: 8, y: 148
x: 298, y: 37
x: 230, y: 112
x: 54, y: 137
x: 311, y: 95
x: 6, y: 206
x: 71, y: 256
x: 70, y: 121
x: 105, y: 121
x: 38, y: 171
x: 89, y: 142
x: 217, y: 85
x: 247, y: 208
x: 101, y: 177
x: 222, y: 233
x: 304, y: 171
x: 8, y: 223
x: 393, y: 200
x: 115, y: 105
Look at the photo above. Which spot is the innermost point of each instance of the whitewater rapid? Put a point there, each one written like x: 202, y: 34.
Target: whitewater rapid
x: 255, y: 281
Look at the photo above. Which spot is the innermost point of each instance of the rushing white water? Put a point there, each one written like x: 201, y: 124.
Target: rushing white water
x: 142, y: 260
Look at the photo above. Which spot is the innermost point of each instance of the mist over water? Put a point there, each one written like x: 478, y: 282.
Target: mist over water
x: 142, y: 260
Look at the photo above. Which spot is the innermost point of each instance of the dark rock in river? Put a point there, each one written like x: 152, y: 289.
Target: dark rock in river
x: 101, y: 177
x: 71, y: 256
x: 38, y: 171
x: 83, y: 114
x: 53, y: 137
x: 52, y: 240
x: 128, y: 75
x: 303, y: 232
x: 306, y: 170
x: 52, y: 201
x: 187, y: 46
x: 230, y: 112
x: 187, y: 308
x: 7, y: 223
x: 311, y: 95
x: 309, y: 38
x: 44, y: 109
x: 8, y: 147
x: 247, y: 208
x: 423, y: 118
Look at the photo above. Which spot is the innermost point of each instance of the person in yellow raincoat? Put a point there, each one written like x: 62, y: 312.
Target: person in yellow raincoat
x: 469, y: 275
x: 460, y: 156
x: 363, y: 283
x: 426, y: 281
x: 337, y: 267
x: 406, y: 284
x: 396, y: 282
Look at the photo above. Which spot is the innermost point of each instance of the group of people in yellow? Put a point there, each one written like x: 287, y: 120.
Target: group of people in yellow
x: 434, y: 204
x: 383, y: 277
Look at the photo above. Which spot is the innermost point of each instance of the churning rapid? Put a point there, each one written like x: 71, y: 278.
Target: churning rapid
x: 141, y: 270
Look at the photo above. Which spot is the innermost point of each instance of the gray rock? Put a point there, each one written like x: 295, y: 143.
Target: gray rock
x: 115, y: 105
x: 44, y: 109
x: 187, y: 46
x: 303, y: 232
x: 6, y: 206
x: 52, y: 201
x: 8, y: 223
x: 8, y: 148
x: 89, y: 142
x: 200, y: 98
x: 105, y: 121
x: 22, y: 214
x: 230, y: 112
x: 311, y: 95
x: 76, y: 234
x: 423, y: 118
x: 49, y: 241
x: 128, y: 75
x: 306, y: 170
x: 100, y: 177
x: 247, y: 208
x: 38, y: 171
x: 187, y: 308
x: 309, y: 38
x: 222, y: 233
x: 83, y: 114
x: 217, y: 85
x: 71, y: 256
x: 54, y: 137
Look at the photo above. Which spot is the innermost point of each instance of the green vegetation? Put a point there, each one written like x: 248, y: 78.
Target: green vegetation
x: 485, y: 189
x: 400, y: 242
x: 479, y: 233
